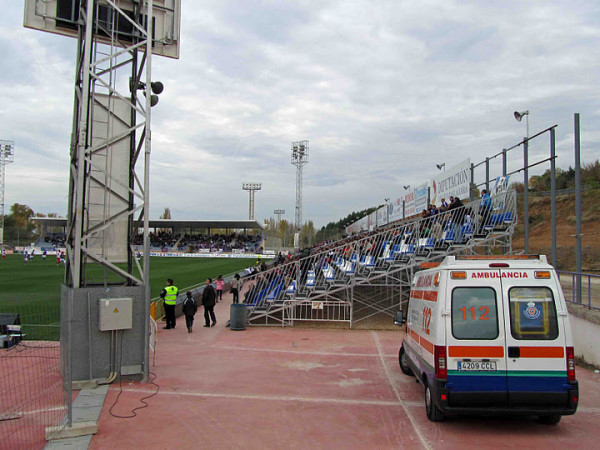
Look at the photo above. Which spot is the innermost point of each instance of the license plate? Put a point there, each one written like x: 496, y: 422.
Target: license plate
x: 481, y: 366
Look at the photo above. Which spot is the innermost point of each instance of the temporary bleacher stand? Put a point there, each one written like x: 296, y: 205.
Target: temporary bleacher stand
x: 332, y: 282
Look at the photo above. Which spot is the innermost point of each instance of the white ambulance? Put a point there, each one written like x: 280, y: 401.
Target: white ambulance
x: 490, y: 334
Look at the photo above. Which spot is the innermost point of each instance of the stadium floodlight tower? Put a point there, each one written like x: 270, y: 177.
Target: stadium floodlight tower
x: 251, y: 187
x: 109, y: 177
x: 279, y: 213
x: 7, y: 155
x: 299, y: 159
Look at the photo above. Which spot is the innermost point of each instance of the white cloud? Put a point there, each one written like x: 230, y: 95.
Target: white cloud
x: 383, y: 91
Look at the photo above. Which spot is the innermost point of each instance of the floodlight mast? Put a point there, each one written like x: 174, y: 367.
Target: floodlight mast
x: 299, y: 159
x: 279, y: 213
x: 7, y: 156
x: 109, y: 173
x: 251, y: 187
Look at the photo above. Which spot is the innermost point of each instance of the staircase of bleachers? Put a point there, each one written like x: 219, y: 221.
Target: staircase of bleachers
x: 363, y: 280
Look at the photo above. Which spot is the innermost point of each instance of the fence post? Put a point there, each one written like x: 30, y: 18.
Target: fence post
x: 487, y: 174
x: 472, y: 184
x: 526, y: 191
x: 553, y: 192
x: 578, y: 205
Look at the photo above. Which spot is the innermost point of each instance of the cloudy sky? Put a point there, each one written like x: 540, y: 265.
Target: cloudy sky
x: 383, y: 90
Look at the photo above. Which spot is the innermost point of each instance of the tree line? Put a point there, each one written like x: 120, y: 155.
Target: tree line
x: 18, y: 229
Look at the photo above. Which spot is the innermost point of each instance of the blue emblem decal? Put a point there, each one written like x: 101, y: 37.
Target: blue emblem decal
x: 531, y: 312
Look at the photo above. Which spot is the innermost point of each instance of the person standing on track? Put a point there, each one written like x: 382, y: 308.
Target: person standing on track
x: 169, y: 294
x: 208, y: 301
x: 219, y: 283
x: 235, y: 288
x: 189, y: 309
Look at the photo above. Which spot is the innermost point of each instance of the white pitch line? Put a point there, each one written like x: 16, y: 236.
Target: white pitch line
x: 404, y: 406
x: 300, y: 352
x: 277, y: 398
x: 38, y: 411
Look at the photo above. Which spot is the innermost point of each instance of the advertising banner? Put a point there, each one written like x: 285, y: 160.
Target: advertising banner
x: 382, y: 216
x: 498, y: 192
x: 372, y: 220
x: 395, y: 210
x: 363, y: 224
x: 453, y: 182
x: 409, y: 204
x: 420, y: 199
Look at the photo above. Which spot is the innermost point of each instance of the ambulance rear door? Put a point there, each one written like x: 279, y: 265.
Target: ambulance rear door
x: 535, y: 339
x: 475, y: 339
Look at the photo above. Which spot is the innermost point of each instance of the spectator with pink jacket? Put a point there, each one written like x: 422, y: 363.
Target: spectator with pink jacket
x: 219, y: 283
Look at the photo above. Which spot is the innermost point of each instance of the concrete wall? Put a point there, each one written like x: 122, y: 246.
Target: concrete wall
x: 585, y: 325
x: 89, y: 349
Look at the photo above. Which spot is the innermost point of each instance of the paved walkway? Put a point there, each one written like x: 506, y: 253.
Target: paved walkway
x: 306, y: 388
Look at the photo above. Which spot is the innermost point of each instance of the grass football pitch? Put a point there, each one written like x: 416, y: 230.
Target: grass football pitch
x: 33, y: 289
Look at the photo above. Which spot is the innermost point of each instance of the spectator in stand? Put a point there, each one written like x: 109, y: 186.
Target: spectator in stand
x: 485, y: 210
x: 219, y: 283
x: 436, y: 230
x: 444, y: 205
x: 456, y: 218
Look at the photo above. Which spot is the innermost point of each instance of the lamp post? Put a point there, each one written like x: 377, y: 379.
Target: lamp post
x: 299, y: 159
x: 251, y: 187
x: 279, y: 213
x: 387, y: 211
x: 519, y: 116
x: 7, y: 155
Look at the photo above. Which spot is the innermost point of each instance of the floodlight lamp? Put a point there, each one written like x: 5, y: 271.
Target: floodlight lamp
x: 519, y: 115
x: 153, y: 100
x: 387, y: 200
x: 407, y: 187
x: 441, y: 166
x: 157, y: 87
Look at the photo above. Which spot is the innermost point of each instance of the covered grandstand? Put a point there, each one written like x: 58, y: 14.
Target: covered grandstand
x: 174, y: 235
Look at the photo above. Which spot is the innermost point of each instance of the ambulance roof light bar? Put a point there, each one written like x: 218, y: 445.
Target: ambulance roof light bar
x: 500, y: 257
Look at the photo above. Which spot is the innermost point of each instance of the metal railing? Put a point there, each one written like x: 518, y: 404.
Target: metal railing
x: 577, y: 286
x: 384, y: 258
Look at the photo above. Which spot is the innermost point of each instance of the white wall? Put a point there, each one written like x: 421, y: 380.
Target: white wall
x: 586, y: 334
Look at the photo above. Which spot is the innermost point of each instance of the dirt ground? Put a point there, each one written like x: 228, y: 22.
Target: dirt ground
x: 540, y: 239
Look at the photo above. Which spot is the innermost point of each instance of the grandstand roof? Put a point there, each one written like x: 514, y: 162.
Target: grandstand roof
x: 171, y: 223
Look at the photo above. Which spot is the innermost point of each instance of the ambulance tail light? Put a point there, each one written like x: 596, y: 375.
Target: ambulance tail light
x: 441, y: 368
x: 458, y: 275
x: 570, y: 364
x: 543, y: 274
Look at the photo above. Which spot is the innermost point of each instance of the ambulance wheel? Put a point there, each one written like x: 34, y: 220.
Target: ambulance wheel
x: 434, y: 413
x: 550, y: 419
x: 403, y: 360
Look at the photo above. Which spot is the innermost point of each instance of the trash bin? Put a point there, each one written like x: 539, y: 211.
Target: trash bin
x: 237, y: 316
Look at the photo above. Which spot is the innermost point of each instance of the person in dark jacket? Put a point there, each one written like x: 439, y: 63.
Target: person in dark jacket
x: 189, y: 309
x: 208, y: 301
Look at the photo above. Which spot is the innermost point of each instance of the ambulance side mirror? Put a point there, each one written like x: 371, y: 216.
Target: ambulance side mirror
x: 399, y: 318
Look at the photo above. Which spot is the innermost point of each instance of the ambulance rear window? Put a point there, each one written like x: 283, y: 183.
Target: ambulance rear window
x: 532, y: 313
x: 474, y: 313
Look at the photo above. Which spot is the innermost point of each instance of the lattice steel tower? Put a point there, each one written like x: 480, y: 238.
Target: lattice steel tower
x: 7, y: 155
x: 299, y: 159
